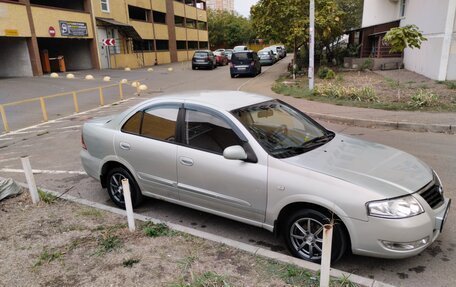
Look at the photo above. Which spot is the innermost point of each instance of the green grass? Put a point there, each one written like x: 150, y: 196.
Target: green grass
x: 47, y: 257
x: 108, y: 243
x: 90, y: 212
x: 393, y: 83
x: 207, y: 279
x: 352, y: 98
x: 130, y: 262
x: 46, y: 197
x: 157, y: 230
x: 450, y: 84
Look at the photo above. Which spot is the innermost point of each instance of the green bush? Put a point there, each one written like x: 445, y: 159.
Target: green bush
x: 423, y: 99
x: 323, y: 73
x: 330, y: 75
x: 368, y: 64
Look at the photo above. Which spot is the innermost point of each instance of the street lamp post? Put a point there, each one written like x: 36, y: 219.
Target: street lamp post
x: 311, y: 44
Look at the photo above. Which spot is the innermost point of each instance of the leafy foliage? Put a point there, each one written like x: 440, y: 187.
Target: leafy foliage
x: 404, y: 37
x: 228, y: 29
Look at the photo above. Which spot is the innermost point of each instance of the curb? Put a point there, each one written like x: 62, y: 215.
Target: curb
x: 359, y: 280
x: 404, y: 126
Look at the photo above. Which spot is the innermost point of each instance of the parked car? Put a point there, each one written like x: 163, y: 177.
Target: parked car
x: 220, y: 58
x: 266, y: 57
x: 240, y: 48
x: 281, y: 52
x: 263, y: 162
x: 245, y: 63
x: 203, y: 59
x: 229, y: 53
x: 274, y: 52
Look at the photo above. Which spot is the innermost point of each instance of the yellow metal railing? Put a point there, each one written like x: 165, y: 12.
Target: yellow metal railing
x: 42, y: 101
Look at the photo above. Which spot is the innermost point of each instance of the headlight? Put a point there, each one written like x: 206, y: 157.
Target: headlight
x: 402, y: 207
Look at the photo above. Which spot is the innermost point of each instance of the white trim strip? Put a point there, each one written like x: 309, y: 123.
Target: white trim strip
x: 43, y: 171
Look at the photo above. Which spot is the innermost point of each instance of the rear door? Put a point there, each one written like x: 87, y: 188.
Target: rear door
x: 147, y: 142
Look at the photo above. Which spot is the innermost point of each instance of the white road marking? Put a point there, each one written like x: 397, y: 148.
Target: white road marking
x: 43, y: 171
x: 8, y: 159
x: 6, y: 139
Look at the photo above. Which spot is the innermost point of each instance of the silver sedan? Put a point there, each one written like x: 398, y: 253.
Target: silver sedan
x: 262, y: 162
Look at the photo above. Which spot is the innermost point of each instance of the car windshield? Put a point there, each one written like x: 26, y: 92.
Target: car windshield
x: 282, y: 130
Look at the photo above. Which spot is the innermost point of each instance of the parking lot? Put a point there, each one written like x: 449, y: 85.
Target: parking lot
x: 54, y: 153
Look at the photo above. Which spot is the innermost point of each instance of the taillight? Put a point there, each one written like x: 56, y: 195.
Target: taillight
x: 83, y: 143
x: 252, y: 64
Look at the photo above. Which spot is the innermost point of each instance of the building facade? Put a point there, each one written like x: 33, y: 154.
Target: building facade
x: 227, y: 5
x: 436, y: 58
x: 37, y: 36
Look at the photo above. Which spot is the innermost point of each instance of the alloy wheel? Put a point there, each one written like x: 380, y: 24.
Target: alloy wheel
x: 306, y: 236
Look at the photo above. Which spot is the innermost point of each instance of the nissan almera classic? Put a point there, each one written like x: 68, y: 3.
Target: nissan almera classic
x: 262, y: 162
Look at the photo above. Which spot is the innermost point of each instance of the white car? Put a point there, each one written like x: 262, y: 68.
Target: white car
x: 262, y: 162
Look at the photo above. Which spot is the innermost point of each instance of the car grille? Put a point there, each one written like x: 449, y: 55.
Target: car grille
x: 432, y: 195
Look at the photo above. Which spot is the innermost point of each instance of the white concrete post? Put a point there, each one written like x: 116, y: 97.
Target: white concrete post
x: 30, y: 179
x: 128, y: 205
x: 311, y: 44
x: 326, y: 255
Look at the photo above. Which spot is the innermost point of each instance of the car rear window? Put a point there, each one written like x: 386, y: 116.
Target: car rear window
x: 263, y: 53
x: 201, y: 54
x: 242, y: 56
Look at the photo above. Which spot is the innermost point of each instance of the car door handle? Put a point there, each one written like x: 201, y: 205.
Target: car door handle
x: 124, y: 146
x: 186, y: 161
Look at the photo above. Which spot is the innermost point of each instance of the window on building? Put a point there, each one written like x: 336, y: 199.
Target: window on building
x: 179, y: 21
x: 200, y: 4
x: 105, y: 5
x: 403, y: 3
x: 203, y: 45
x: 143, y: 45
x: 137, y: 13
x: 159, y: 17
x: 162, y: 45
x: 71, y: 5
x: 202, y: 25
x: 192, y: 45
x: 181, y: 45
x: 190, y: 2
x: 190, y: 23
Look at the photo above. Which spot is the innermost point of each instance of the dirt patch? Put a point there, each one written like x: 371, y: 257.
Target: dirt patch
x: 66, y: 244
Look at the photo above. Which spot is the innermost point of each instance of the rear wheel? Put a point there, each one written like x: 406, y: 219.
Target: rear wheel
x: 193, y: 67
x: 115, y: 190
x: 233, y: 75
x: 303, y: 233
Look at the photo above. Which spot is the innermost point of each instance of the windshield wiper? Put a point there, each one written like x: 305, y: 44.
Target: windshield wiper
x: 318, y: 141
x: 309, y: 145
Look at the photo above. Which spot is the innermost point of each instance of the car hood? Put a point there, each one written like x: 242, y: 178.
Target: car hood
x: 379, y: 168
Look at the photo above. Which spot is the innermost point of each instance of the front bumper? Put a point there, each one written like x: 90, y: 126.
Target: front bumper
x: 368, y: 237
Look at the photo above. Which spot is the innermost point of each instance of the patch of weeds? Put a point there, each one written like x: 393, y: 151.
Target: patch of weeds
x: 423, y: 99
x: 46, y: 197
x: 47, y: 257
x: 368, y: 64
x: 130, y: 262
x: 326, y: 73
x: 344, y: 281
x: 339, y: 78
x: 450, y: 84
x: 108, y: 243
x: 186, y: 262
x: 207, y: 279
x: 294, y: 91
x: 424, y: 87
x: 290, y: 274
x: 393, y: 84
x: 156, y: 230
x: 364, y: 94
x: 90, y: 212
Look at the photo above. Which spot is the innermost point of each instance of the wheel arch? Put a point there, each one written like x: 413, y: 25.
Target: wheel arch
x: 109, y: 165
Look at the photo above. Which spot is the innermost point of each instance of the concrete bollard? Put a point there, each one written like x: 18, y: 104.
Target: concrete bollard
x: 135, y: 84
x: 142, y: 88
x: 70, y: 76
x: 170, y: 69
x: 326, y: 255
x: 54, y: 75
x: 123, y: 81
x: 150, y: 70
x: 89, y: 77
x: 128, y: 205
x: 127, y: 69
x: 107, y: 79
x: 30, y: 179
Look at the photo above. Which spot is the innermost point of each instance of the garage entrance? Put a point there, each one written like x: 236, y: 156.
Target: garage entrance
x: 14, y: 58
x: 75, y: 53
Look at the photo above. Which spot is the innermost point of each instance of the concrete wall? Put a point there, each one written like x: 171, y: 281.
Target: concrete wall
x: 14, y: 20
x: 14, y: 58
x: 380, y: 11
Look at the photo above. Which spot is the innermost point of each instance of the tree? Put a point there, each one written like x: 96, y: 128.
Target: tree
x: 400, y: 38
x: 228, y: 29
x: 287, y: 21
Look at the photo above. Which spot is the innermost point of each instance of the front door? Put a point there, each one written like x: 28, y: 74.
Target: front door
x: 104, y: 50
x: 206, y: 179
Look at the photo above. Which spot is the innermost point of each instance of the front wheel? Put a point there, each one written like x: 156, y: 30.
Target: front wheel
x: 115, y: 190
x: 303, y: 233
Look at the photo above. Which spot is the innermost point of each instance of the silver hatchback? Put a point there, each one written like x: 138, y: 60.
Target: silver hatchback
x: 262, y: 162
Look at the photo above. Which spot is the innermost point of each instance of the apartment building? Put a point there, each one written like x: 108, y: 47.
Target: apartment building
x: 436, y: 19
x: 35, y: 35
x: 227, y: 5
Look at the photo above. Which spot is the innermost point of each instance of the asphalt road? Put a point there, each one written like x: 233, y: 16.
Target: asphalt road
x: 54, y: 152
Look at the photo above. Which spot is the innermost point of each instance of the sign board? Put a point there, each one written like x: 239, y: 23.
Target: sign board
x: 78, y: 29
x: 11, y: 32
x: 51, y: 31
x: 109, y: 42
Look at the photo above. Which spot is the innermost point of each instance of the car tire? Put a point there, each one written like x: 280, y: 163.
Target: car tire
x: 114, y: 187
x: 299, y: 247
x: 233, y: 75
x: 193, y: 68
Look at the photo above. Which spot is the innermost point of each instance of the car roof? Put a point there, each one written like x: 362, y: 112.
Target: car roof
x: 222, y: 100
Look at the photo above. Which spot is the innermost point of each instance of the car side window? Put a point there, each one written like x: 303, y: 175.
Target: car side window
x: 133, y: 124
x: 160, y: 123
x: 208, y: 132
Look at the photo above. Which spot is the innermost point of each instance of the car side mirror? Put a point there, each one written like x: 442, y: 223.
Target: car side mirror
x: 235, y: 152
